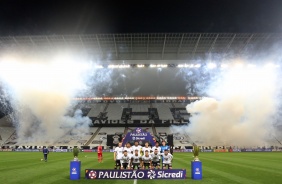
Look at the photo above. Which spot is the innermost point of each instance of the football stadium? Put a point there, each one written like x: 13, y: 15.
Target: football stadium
x: 152, y: 92
x: 187, y: 91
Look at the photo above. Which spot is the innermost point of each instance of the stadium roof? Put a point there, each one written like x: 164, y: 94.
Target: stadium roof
x: 150, y: 46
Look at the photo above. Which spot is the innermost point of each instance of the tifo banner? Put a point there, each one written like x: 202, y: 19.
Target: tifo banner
x: 135, y: 174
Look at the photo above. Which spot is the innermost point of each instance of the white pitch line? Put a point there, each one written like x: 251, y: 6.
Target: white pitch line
x: 135, y: 181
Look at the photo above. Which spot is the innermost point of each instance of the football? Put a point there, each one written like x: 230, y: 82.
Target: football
x: 41, y: 159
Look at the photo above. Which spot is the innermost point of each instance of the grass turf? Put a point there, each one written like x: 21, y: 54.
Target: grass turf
x: 251, y: 168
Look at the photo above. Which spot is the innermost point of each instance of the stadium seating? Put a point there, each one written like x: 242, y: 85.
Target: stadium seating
x: 6, y: 133
x: 101, y: 137
x: 96, y: 109
x: 139, y: 107
x: 115, y: 111
x: 164, y: 110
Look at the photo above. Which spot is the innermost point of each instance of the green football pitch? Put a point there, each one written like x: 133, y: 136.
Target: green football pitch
x: 251, y: 168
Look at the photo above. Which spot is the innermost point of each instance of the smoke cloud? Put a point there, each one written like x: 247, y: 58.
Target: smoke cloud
x: 239, y: 110
x: 41, y: 92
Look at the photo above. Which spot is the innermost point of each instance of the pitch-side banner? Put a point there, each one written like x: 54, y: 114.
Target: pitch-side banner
x: 135, y: 174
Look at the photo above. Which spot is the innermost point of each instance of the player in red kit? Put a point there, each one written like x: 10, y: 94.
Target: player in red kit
x: 100, y: 153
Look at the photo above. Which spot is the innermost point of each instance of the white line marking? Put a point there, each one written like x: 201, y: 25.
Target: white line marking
x: 135, y: 181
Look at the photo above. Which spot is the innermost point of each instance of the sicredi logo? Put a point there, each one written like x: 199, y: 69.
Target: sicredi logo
x: 163, y: 174
x: 151, y: 174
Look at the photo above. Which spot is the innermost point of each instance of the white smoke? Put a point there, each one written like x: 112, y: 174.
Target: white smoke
x: 41, y: 92
x: 240, y: 108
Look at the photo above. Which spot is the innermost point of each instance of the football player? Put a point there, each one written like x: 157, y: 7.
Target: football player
x: 125, y: 160
x: 146, y: 160
x: 146, y: 147
x: 136, y: 160
x: 128, y: 148
x: 156, y: 157
x: 117, y: 155
x: 137, y: 146
x: 167, y: 159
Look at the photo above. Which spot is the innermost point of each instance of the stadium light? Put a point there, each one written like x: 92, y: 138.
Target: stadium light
x: 158, y: 66
x: 162, y: 66
x: 98, y: 66
x: 211, y: 65
x: 197, y: 65
x: 140, y: 66
x: 184, y: 66
x: 119, y: 66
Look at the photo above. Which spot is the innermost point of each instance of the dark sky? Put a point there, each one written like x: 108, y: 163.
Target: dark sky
x: 33, y: 17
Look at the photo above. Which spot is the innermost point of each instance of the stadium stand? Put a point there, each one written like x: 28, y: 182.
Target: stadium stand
x: 114, y: 111
x: 96, y: 109
x: 139, y: 107
x: 101, y: 136
x: 164, y: 110
x: 72, y: 138
x: 180, y: 105
x: 6, y: 133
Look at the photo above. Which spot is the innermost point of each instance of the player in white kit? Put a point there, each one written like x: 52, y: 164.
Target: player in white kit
x: 137, y: 146
x: 156, y: 157
x: 167, y: 159
x: 117, y: 155
x: 128, y: 148
x: 125, y: 160
x: 157, y: 147
x: 136, y: 160
x: 146, y: 160
x: 146, y: 147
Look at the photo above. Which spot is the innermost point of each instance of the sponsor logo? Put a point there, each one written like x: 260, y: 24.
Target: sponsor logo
x: 151, y: 174
x: 197, y: 171
x: 92, y: 175
x: 73, y: 170
x: 135, y: 174
x: 138, y: 130
x: 138, y: 134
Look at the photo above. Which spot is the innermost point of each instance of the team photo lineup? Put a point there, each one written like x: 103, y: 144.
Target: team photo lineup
x: 138, y: 157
